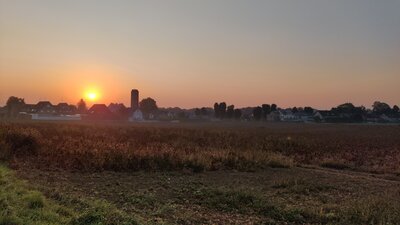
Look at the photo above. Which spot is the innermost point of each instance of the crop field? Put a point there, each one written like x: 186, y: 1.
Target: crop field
x: 199, y: 173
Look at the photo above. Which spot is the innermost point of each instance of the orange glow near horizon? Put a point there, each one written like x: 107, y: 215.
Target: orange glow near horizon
x: 193, y: 55
x: 91, y: 96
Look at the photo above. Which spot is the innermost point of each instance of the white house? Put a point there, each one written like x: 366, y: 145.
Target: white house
x: 287, y: 115
x: 137, y: 116
x: 37, y: 116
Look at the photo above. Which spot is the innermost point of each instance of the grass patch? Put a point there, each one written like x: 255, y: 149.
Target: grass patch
x: 382, y: 210
x: 248, y: 203
x: 19, y: 204
x: 143, y: 201
x: 301, y: 186
x: 102, y: 213
x: 34, y: 200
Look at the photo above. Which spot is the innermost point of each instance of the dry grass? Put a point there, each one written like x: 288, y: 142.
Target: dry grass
x: 91, y: 147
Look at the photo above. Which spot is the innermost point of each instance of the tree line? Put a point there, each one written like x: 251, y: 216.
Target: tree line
x: 15, y: 105
x: 222, y: 111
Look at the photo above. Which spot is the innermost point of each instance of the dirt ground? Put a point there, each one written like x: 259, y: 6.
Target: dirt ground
x: 189, y: 198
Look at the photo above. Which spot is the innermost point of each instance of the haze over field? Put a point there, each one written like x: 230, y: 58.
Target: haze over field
x: 194, y: 53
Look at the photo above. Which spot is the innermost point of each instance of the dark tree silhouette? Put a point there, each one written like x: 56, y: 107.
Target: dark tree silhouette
x: 182, y: 115
x: 14, y: 105
x: 197, y: 112
x: 308, y: 110
x: 148, y: 105
x: 344, y: 108
x: 347, y: 112
x: 230, y: 112
x: 266, y: 108
x: 81, y: 106
x: 395, y: 109
x: 273, y: 107
x: 257, y: 113
x: 237, y: 114
x: 295, y: 110
x: 222, y: 110
x: 204, y: 111
x: 216, y: 110
x: 381, y: 108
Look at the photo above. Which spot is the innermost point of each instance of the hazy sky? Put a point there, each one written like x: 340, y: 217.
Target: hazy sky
x: 193, y: 53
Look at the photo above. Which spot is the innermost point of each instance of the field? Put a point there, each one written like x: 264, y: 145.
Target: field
x: 199, y: 173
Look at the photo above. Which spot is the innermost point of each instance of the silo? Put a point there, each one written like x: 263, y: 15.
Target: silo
x: 134, y: 99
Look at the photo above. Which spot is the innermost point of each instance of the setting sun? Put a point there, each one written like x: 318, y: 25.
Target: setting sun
x: 92, y: 96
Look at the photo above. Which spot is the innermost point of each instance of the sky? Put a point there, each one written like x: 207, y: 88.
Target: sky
x: 183, y: 53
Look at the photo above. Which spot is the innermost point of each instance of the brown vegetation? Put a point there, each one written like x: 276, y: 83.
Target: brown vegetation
x: 203, y: 147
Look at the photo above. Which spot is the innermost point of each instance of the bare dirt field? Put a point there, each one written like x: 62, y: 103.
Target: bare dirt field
x: 292, y: 196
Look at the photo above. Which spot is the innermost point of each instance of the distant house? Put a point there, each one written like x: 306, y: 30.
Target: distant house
x: 288, y: 116
x: 305, y: 117
x: 51, y: 117
x: 117, y: 107
x: 120, y: 110
x: 29, y: 108
x: 325, y: 116
x: 164, y: 115
x: 45, y: 107
x: 65, y: 109
x: 100, y: 112
x: 171, y: 115
x: 273, y: 116
x: 137, y: 116
x: 331, y: 116
x: 390, y: 118
x: 373, y: 118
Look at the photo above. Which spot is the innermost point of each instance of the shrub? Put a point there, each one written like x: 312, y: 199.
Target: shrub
x: 18, y: 142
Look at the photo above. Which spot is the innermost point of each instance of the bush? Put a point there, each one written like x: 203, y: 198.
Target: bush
x: 18, y: 142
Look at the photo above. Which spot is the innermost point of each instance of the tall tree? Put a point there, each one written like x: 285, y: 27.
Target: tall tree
x: 295, y: 110
x: 82, y: 108
x: 344, y: 108
x: 204, y: 111
x: 216, y: 110
x: 381, y: 108
x: 266, y: 108
x: 222, y: 110
x: 197, y: 112
x: 308, y: 110
x: 230, y: 112
x: 395, y: 109
x: 257, y: 113
x: 14, y: 105
x: 274, y: 107
x: 237, y: 114
x: 148, y: 105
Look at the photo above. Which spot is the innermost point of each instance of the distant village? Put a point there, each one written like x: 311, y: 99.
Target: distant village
x: 147, y: 110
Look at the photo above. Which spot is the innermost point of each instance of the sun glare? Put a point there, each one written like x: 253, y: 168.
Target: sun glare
x: 91, y: 96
